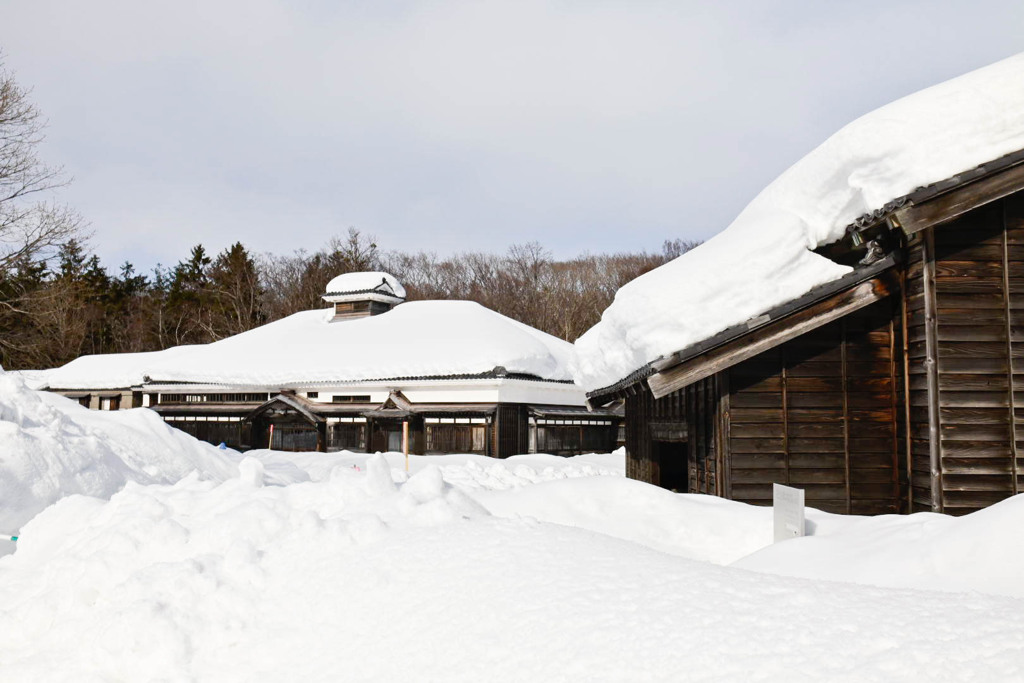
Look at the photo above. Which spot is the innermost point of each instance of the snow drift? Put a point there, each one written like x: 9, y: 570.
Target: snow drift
x: 52, y: 447
x: 924, y: 550
x: 181, y: 565
x: 369, y: 575
x: 763, y: 258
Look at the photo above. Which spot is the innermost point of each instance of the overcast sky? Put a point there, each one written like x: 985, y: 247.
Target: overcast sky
x: 589, y: 126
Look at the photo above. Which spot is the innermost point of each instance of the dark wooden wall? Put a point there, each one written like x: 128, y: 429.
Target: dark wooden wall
x: 647, y: 418
x: 704, y: 433
x: 913, y: 403
x: 965, y: 283
x: 821, y: 413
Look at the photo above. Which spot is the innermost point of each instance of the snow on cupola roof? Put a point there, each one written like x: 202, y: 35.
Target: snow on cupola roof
x: 766, y: 257
x: 371, y: 285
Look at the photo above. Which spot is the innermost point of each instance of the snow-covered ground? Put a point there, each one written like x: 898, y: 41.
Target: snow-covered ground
x: 315, y: 567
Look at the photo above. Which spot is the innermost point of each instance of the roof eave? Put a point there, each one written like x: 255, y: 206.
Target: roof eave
x: 620, y: 389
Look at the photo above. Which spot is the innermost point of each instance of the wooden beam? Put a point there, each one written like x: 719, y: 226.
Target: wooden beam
x: 948, y: 206
x: 771, y: 335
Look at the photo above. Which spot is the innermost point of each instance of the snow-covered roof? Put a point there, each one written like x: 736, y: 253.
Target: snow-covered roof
x: 417, y: 339
x: 764, y: 258
x: 34, y: 379
x: 370, y: 282
x: 109, y: 370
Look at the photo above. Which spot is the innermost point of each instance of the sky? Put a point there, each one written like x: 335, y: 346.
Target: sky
x: 598, y: 126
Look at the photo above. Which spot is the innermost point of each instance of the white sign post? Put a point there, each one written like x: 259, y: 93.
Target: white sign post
x: 788, y: 507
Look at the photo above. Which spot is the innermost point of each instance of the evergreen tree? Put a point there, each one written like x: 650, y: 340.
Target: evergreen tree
x: 236, y: 297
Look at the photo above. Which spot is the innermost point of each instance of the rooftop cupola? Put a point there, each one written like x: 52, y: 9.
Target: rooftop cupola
x: 358, y: 295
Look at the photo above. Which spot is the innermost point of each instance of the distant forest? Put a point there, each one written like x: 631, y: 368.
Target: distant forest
x: 54, y: 310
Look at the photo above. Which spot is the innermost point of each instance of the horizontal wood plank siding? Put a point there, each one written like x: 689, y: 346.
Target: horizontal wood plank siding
x: 979, y: 287
x: 1013, y: 256
x: 821, y: 412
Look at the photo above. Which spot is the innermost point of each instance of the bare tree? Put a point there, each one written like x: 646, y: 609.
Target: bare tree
x: 31, y: 224
x: 671, y: 249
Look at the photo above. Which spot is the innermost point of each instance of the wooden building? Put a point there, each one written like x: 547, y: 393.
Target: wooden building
x: 897, y: 388
x: 371, y: 373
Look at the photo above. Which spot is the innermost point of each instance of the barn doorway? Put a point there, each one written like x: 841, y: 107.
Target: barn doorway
x: 673, y: 466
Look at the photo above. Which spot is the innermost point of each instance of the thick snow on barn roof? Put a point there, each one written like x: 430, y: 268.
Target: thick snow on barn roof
x: 414, y: 340
x: 764, y: 258
x: 109, y: 370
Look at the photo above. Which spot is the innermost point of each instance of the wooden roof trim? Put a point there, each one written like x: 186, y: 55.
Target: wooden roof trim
x: 945, y: 207
x: 575, y: 412
x: 771, y: 335
x: 301, y: 406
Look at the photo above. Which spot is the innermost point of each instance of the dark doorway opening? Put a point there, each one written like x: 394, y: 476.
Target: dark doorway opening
x: 673, y: 467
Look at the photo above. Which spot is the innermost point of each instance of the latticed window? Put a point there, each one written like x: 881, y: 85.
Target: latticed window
x: 457, y: 438
x: 346, y: 436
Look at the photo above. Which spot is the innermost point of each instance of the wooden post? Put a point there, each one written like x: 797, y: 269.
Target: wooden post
x: 907, y: 420
x: 1014, y: 488
x: 931, y: 364
x: 270, y: 441
x: 405, y: 442
x: 845, y: 384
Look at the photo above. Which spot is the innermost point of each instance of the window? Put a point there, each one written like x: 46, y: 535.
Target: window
x: 312, y: 394
x: 294, y: 438
x: 110, y: 403
x: 346, y: 398
x: 456, y: 438
x: 348, y: 436
x: 214, y: 398
x: 343, y: 307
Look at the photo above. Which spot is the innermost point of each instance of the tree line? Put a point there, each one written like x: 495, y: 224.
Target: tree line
x: 58, y: 301
x: 55, y: 309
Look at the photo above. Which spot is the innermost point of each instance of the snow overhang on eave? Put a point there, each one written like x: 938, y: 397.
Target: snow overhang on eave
x: 863, y: 286
x: 946, y: 199
x: 369, y: 295
x: 925, y: 207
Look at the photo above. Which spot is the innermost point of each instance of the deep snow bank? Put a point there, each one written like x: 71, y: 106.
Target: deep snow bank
x: 465, y: 471
x: 980, y: 552
x: 763, y: 258
x: 357, y: 577
x: 52, y: 447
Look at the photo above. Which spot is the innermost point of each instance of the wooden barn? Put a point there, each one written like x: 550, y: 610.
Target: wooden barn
x: 898, y: 387
x: 371, y: 373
